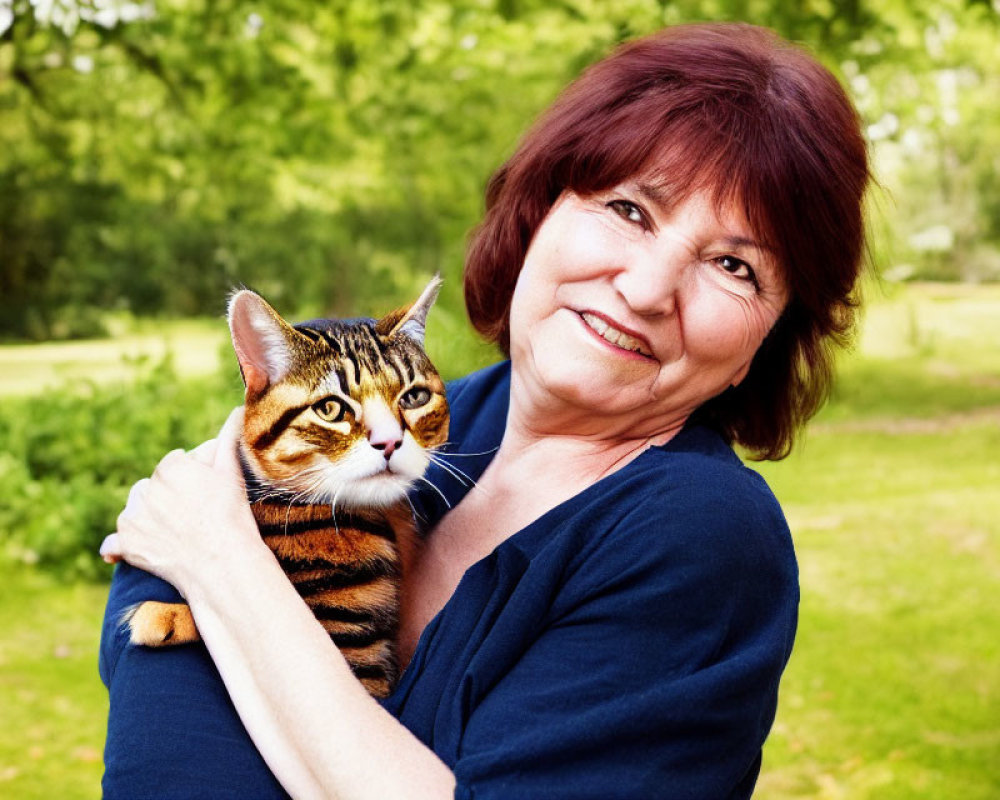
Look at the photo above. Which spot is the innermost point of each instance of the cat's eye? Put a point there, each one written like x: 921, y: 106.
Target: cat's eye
x: 414, y: 398
x: 330, y: 409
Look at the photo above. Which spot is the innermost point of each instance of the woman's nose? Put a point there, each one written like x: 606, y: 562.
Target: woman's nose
x: 649, y: 280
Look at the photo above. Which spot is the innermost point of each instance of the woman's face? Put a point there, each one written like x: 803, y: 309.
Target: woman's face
x: 632, y: 307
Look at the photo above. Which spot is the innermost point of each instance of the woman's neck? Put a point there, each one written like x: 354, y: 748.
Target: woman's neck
x: 576, y: 441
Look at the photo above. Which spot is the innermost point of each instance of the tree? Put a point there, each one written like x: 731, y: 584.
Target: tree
x: 154, y: 155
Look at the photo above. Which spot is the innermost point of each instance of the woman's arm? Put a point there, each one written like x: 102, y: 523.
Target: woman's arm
x: 316, y: 726
x: 320, y: 732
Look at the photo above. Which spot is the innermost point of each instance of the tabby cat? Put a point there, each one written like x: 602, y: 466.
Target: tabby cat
x: 341, y: 417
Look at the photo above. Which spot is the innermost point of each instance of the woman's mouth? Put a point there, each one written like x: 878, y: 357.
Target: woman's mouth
x: 615, y: 336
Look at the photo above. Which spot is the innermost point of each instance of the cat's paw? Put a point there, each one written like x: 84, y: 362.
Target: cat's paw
x: 156, y: 624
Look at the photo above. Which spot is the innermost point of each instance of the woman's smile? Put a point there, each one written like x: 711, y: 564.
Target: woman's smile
x: 644, y: 322
x: 630, y: 342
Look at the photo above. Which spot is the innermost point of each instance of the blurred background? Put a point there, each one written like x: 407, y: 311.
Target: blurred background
x: 154, y: 155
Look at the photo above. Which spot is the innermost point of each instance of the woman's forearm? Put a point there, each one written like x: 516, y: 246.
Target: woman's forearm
x: 318, y: 729
x: 313, y: 722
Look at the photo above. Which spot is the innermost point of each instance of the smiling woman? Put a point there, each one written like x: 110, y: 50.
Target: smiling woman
x: 606, y: 611
x: 770, y: 141
x: 639, y: 312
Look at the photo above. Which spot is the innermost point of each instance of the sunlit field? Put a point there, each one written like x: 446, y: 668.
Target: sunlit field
x: 52, y: 703
x: 193, y: 345
x: 893, y: 690
x: 196, y: 348
x: 894, y: 687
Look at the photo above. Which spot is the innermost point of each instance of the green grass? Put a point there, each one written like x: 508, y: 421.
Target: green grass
x: 893, y: 690
x: 53, y: 704
x: 894, y: 687
x: 195, y: 347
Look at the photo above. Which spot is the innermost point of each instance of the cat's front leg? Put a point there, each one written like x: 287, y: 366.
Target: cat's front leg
x: 156, y: 624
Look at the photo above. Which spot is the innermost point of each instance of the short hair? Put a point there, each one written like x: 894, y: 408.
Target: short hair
x: 735, y: 110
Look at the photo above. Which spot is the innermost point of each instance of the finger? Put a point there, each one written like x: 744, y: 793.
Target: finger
x: 205, y: 452
x: 135, y: 497
x: 225, y: 454
x: 173, y: 457
x: 111, y: 550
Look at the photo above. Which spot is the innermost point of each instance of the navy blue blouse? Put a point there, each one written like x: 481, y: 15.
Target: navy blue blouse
x: 626, y: 644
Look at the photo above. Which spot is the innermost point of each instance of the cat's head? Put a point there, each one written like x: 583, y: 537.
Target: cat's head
x: 338, y: 411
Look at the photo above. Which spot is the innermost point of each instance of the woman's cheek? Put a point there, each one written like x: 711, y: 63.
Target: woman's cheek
x: 728, y: 329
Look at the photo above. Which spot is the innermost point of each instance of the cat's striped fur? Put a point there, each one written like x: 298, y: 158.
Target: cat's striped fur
x: 341, y: 417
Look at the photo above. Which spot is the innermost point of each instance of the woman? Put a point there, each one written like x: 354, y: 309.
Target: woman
x: 666, y: 260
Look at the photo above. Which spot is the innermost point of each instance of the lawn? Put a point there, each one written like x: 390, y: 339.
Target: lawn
x: 195, y: 346
x: 52, y: 703
x: 894, y: 687
x: 893, y: 690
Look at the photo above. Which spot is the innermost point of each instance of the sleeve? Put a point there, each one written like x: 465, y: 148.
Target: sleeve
x: 658, y: 678
x: 172, y: 730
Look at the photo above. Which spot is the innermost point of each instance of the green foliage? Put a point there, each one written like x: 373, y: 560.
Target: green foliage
x: 154, y: 156
x: 68, y: 458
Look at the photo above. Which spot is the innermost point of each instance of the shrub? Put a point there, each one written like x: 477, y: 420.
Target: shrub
x: 69, y: 457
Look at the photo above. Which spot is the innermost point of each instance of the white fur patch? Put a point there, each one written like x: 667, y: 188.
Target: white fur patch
x: 362, y: 477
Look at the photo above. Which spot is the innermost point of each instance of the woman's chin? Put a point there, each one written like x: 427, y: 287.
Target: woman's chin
x: 590, y: 377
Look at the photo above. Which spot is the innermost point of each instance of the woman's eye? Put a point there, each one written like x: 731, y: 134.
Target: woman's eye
x: 414, y: 398
x: 628, y: 211
x: 737, y: 268
x: 330, y: 409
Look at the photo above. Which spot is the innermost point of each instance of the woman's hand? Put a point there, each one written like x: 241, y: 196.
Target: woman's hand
x: 182, y: 521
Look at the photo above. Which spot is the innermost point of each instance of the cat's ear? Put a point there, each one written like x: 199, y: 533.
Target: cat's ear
x: 411, y: 320
x: 262, y: 340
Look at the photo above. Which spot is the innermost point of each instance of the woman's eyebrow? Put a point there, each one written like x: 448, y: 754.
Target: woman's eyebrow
x: 657, y: 195
x: 661, y: 196
x: 744, y: 241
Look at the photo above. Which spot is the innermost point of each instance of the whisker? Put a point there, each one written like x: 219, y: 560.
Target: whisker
x: 293, y: 500
x: 333, y: 509
x: 435, y: 488
x: 288, y: 513
x: 466, y: 455
x: 272, y: 493
x: 417, y: 516
x: 313, y: 492
x: 452, y: 470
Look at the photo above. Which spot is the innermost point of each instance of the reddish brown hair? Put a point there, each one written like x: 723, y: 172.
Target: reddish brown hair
x: 735, y: 110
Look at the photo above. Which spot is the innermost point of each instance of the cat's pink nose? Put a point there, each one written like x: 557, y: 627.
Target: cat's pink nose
x: 387, y: 446
x: 384, y: 431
